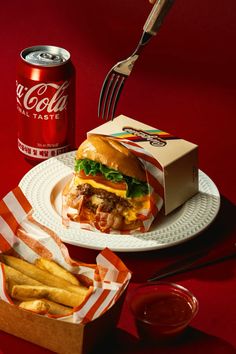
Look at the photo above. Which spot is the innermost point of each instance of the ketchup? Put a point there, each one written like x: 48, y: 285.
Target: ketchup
x: 162, y: 314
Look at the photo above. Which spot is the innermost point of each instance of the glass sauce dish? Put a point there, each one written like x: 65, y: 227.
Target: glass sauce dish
x: 162, y: 310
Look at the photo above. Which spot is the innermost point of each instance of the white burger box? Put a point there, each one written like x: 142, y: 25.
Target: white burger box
x: 177, y: 157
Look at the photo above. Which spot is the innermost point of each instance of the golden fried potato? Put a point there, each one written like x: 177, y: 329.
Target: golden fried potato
x: 38, y: 306
x: 17, y: 277
x: 64, y: 297
x: 42, y: 276
x: 55, y: 269
x: 58, y: 309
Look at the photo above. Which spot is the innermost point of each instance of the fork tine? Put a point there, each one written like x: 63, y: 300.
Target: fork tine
x: 113, y: 89
x: 115, y: 96
x: 108, y: 95
x: 104, y: 94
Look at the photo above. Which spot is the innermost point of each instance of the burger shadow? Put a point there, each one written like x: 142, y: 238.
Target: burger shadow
x: 192, y: 340
x: 222, y: 226
x: 219, y: 234
x: 187, y: 219
x: 218, y: 238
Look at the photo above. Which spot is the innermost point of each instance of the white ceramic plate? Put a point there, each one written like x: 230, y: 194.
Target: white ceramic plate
x: 42, y: 186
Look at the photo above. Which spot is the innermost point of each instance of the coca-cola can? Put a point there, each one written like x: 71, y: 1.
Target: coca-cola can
x: 45, y: 95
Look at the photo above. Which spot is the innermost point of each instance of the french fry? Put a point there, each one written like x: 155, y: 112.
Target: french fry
x: 9, y: 285
x: 57, y: 309
x: 64, y: 297
x: 38, y: 306
x: 42, y: 276
x: 43, y: 306
x: 43, y: 287
x: 55, y: 269
x: 17, y: 277
x: 26, y: 292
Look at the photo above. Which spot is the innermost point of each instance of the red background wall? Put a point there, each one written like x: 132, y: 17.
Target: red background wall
x: 184, y: 80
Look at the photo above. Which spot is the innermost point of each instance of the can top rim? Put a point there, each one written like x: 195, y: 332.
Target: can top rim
x: 54, y: 50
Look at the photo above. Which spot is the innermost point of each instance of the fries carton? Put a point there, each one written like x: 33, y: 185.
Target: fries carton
x: 58, y: 336
x: 22, y: 237
x: 176, y: 167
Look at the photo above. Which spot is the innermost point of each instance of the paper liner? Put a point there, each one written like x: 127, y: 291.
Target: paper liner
x: 22, y: 236
x: 155, y: 181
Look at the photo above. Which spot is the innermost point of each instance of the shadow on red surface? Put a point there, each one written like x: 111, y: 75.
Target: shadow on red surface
x: 122, y: 342
x: 192, y: 338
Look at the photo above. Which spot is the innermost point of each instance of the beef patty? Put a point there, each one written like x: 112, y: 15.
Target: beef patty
x: 106, y: 201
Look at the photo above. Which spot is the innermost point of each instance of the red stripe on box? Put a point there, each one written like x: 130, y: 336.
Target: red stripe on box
x: 90, y: 314
x: 22, y: 199
x: 59, y: 243
x: 8, y: 217
x: 153, y: 203
x: 155, y: 184
x: 100, y: 273
x: 117, y: 263
x: 4, y: 245
x: 36, y: 246
x: 57, y: 240
x: 115, y: 298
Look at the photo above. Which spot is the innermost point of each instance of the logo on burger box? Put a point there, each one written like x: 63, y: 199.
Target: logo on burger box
x: 154, y: 140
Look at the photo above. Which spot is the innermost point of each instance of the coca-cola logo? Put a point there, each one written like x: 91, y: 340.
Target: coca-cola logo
x: 50, y: 98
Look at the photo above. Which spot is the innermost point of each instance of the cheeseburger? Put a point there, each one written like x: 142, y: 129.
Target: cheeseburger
x: 108, y: 190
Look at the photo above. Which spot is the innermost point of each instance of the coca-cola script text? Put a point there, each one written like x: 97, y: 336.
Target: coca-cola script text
x: 43, y: 100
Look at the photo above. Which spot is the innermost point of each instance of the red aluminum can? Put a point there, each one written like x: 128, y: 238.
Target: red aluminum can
x: 45, y: 95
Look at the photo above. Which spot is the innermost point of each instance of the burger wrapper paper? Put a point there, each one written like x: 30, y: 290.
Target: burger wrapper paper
x: 155, y: 180
x: 22, y: 236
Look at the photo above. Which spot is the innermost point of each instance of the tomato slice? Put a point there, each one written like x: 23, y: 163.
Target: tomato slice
x: 99, y: 178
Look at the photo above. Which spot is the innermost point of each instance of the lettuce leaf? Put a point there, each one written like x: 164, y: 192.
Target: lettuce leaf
x: 135, y: 188
x: 92, y: 168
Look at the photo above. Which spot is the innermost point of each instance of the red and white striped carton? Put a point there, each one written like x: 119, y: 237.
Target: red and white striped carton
x: 155, y: 181
x: 22, y: 236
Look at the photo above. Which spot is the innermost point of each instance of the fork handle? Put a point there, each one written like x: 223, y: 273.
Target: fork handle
x: 154, y: 20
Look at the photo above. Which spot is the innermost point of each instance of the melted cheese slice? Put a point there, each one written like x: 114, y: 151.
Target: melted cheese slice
x: 130, y: 215
x: 78, y: 180
x: 137, y: 208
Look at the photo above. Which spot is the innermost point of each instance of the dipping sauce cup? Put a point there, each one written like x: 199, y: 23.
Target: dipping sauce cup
x: 161, y: 310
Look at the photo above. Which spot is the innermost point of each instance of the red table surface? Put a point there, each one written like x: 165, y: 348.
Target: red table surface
x: 184, y: 83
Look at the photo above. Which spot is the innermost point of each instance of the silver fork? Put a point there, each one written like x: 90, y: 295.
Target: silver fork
x: 115, y: 78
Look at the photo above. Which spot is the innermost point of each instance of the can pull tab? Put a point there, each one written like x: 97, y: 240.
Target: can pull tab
x: 45, y: 55
x: 49, y: 56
